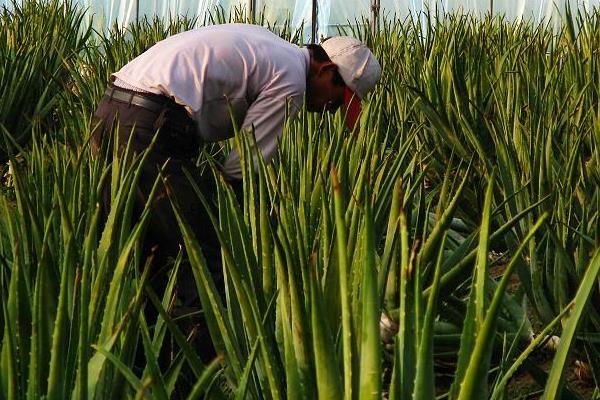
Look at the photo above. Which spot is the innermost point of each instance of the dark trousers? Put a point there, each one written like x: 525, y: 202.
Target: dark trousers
x: 177, y: 144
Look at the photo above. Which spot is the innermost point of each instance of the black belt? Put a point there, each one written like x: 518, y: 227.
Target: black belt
x: 149, y: 101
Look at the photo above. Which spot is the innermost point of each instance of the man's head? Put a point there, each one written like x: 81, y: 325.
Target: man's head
x: 342, y: 71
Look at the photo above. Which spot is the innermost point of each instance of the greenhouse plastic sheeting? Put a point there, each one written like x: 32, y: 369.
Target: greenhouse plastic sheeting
x: 331, y: 13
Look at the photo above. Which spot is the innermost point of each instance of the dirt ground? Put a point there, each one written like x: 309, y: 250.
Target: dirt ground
x: 524, y: 385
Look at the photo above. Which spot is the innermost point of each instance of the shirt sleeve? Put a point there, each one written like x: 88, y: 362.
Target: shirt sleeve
x: 267, y: 115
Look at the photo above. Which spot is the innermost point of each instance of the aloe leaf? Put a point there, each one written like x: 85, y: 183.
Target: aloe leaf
x: 329, y: 385
x: 535, y: 343
x: 342, y: 255
x: 370, y: 342
x: 444, y: 221
x: 476, y: 371
x: 425, y: 378
x: 293, y: 385
x: 405, y: 344
x: 135, y: 383
x: 211, y: 303
x: 477, y: 304
x: 203, y: 382
x: 556, y: 375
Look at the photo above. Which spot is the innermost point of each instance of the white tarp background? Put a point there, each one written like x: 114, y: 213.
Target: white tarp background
x: 331, y: 13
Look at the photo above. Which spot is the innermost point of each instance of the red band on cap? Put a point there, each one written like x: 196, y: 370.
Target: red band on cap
x: 352, y: 103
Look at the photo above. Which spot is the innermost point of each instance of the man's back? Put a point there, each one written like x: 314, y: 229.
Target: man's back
x: 205, y: 68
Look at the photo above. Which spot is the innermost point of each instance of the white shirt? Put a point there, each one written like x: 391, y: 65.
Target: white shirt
x: 254, y: 70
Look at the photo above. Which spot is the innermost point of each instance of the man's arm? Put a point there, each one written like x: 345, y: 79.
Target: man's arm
x: 267, y: 115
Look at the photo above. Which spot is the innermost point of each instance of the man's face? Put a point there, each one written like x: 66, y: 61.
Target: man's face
x: 322, y: 92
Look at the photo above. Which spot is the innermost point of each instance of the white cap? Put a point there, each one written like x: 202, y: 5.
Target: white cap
x: 357, y: 65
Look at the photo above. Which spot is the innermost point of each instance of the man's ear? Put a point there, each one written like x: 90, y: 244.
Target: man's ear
x: 327, y: 66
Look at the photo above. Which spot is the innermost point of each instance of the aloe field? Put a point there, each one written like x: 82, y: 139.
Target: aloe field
x: 448, y: 248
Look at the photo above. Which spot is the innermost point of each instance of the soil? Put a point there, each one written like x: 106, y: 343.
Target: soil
x: 523, y: 385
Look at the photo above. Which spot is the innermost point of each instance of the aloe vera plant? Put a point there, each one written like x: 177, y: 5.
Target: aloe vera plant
x: 481, y: 139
